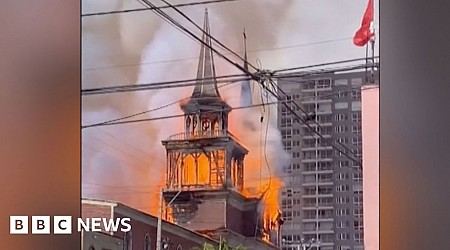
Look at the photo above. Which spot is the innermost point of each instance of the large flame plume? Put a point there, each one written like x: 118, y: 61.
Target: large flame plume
x: 126, y: 162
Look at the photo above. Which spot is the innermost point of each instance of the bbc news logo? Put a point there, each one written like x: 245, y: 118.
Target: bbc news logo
x: 63, y: 224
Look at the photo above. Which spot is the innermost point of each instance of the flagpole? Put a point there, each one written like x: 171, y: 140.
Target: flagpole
x: 367, y: 64
x: 372, y: 43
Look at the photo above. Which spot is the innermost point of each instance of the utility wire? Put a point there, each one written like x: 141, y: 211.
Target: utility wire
x: 167, y: 18
x: 161, y: 85
x: 207, y: 34
x: 154, y: 8
x: 193, y: 58
x: 113, y: 122
x: 148, y: 111
x: 320, y: 65
x: 258, y: 77
x: 192, y: 82
x: 299, y: 119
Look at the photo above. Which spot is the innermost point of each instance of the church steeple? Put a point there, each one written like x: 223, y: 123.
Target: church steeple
x: 206, y: 87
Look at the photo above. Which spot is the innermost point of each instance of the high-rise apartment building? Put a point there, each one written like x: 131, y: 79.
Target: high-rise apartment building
x: 322, y: 201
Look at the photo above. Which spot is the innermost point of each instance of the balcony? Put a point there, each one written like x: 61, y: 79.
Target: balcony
x: 321, y: 207
x: 201, y: 135
x: 320, y: 231
x: 317, y: 160
x: 321, y: 219
x: 312, y: 147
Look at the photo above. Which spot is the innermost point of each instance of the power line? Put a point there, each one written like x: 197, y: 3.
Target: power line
x: 193, y: 58
x: 150, y: 110
x: 160, y: 85
x: 170, y: 20
x: 299, y: 119
x: 154, y: 8
x: 207, y: 34
x: 261, y: 76
x: 222, y: 79
x: 106, y: 123
x: 318, y: 125
x: 320, y: 65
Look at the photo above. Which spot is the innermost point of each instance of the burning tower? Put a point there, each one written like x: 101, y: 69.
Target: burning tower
x: 205, y: 165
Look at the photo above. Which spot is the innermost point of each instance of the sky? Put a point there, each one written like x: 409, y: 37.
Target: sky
x: 139, y: 47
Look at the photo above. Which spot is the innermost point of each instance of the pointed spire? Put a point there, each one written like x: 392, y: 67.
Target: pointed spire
x: 206, y: 69
x: 246, y: 93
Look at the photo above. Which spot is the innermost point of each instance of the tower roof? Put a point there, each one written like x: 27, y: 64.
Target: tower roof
x: 206, y: 85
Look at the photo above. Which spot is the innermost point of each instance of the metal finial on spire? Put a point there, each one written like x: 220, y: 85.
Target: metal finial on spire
x: 246, y: 95
x: 206, y: 85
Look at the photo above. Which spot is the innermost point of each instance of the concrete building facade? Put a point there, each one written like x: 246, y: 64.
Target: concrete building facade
x: 322, y: 201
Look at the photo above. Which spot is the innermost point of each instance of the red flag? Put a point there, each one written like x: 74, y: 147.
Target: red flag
x: 364, y: 33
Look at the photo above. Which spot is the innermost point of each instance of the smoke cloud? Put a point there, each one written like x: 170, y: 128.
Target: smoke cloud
x: 126, y: 162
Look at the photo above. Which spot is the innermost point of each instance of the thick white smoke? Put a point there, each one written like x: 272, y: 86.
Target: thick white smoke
x: 126, y: 162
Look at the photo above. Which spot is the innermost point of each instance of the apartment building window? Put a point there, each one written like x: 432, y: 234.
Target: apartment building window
x: 325, y: 177
x: 287, y: 215
x: 286, y: 133
x: 296, y: 131
x: 356, y: 129
x: 343, y: 212
x: 340, y: 129
x: 295, y: 166
x: 358, y: 200
x: 295, y: 154
x: 340, y: 82
x: 324, y: 118
x: 325, y: 107
x: 342, y: 188
x: 295, y: 179
x: 343, y: 248
x: 309, y: 155
x: 358, y: 225
x: 340, y: 117
x: 310, y: 191
x: 341, y: 105
x: 343, y: 236
x: 356, y: 106
x: 324, y: 83
x: 357, y: 176
x: 356, y: 117
x: 342, y: 224
x: 324, y: 166
x: 357, y: 152
x: 286, y: 122
x: 342, y: 200
x: 325, y: 190
x: 342, y: 140
x: 356, y: 81
x: 342, y: 176
x: 342, y: 164
x: 358, y: 212
x: 286, y: 203
x: 326, y: 201
x: 341, y: 94
x: 359, y: 237
x: 296, y: 202
x: 356, y: 95
x: 357, y: 141
x: 308, y: 167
